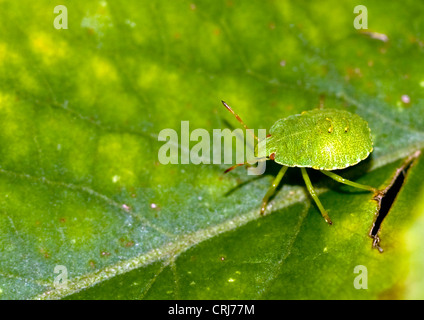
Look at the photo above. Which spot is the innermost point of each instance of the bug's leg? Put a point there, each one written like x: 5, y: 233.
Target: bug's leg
x: 234, y: 166
x: 247, y: 164
x: 314, y: 196
x: 274, y: 186
x: 348, y: 182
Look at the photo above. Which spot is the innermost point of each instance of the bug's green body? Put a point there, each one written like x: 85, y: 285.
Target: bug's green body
x: 322, y: 139
x: 326, y: 139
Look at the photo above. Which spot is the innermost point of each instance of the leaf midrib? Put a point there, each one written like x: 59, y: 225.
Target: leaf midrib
x: 171, y: 250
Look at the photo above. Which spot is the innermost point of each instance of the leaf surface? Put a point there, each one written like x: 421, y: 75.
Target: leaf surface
x: 81, y: 186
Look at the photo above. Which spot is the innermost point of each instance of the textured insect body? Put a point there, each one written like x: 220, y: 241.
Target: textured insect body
x: 322, y: 139
x: 327, y: 139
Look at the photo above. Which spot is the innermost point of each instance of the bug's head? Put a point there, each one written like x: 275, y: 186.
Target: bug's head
x: 263, y: 150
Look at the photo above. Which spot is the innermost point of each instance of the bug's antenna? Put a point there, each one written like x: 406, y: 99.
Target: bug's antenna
x: 239, y: 119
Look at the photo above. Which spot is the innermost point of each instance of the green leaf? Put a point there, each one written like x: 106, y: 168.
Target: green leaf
x: 83, y: 195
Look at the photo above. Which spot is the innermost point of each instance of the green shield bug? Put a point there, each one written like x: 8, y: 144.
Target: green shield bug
x: 321, y: 139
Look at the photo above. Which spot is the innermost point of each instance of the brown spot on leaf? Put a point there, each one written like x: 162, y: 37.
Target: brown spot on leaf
x: 45, y: 253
